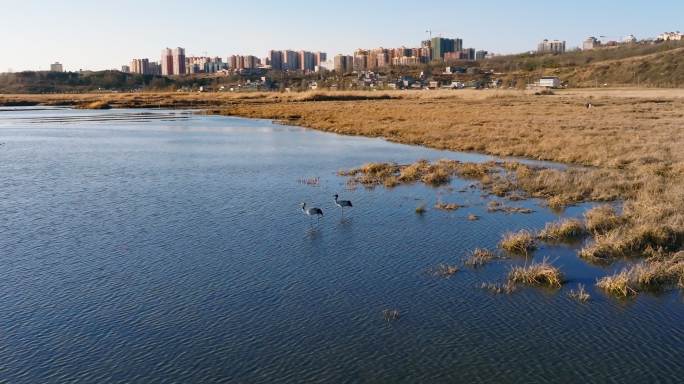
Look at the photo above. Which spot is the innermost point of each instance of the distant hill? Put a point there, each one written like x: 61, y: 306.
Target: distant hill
x: 654, y: 65
x: 66, y: 82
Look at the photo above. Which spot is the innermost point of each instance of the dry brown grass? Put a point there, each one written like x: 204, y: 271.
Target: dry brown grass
x: 445, y: 270
x: 447, y: 206
x: 480, y: 257
x: 496, y: 206
x: 619, y: 284
x: 580, y: 294
x: 602, y: 219
x: 537, y: 274
x: 500, y: 288
x: 564, y: 230
x: 521, y: 242
x: 656, y: 274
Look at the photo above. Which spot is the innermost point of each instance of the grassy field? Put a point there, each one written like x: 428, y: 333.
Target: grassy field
x: 630, y: 144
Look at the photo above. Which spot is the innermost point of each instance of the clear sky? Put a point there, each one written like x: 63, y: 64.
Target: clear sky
x: 106, y: 34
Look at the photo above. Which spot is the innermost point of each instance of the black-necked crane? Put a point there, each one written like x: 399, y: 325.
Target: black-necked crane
x: 342, y: 203
x: 312, y: 212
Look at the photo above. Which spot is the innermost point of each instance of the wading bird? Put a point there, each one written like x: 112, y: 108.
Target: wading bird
x: 312, y: 212
x: 342, y: 203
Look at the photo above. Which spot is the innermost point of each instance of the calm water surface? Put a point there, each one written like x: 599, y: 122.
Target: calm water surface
x: 160, y: 246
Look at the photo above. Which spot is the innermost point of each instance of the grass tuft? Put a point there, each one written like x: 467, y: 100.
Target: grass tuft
x: 479, y: 257
x: 390, y: 315
x: 447, y: 206
x: 562, y: 231
x: 521, y: 242
x: 537, y: 274
x: 602, y: 219
x: 580, y: 294
x: 500, y: 288
x: 620, y: 284
x: 657, y: 274
x: 445, y: 270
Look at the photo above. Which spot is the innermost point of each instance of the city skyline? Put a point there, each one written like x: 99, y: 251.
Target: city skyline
x: 115, y: 33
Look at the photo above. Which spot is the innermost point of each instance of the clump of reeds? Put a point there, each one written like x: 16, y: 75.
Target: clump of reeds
x: 475, y: 170
x: 413, y: 172
x: 436, y: 177
x: 500, y: 288
x: 496, y: 206
x: 479, y: 257
x: 605, y: 247
x: 447, y: 206
x: 391, y: 182
x: 521, y: 242
x: 562, y: 230
x: 445, y: 270
x: 602, y: 219
x: 390, y: 315
x: 657, y: 274
x: 312, y: 181
x: 619, y: 284
x: 559, y: 201
x: 537, y: 274
x: 632, y: 241
x: 580, y: 294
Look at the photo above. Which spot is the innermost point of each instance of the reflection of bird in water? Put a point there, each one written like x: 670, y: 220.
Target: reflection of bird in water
x: 342, y: 203
x: 312, y: 212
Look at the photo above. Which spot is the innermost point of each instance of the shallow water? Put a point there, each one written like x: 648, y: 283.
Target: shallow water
x: 161, y: 246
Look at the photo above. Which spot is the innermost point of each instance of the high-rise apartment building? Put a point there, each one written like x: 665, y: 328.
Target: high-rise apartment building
x: 290, y: 60
x: 140, y: 66
x: 154, y: 68
x: 167, y: 62
x: 250, y: 62
x: 232, y: 62
x: 343, y: 63
x: 360, y: 62
x: 179, y: 61
x: 551, y: 46
x: 440, y: 46
x: 276, y: 59
x: 590, y: 43
x: 307, y: 61
x: 56, y: 67
x: 321, y: 57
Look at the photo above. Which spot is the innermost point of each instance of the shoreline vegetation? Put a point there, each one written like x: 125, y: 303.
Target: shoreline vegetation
x: 627, y: 149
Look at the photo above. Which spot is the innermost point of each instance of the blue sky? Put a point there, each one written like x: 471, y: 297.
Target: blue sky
x: 103, y: 35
